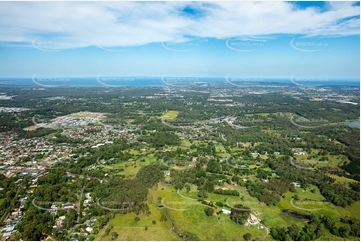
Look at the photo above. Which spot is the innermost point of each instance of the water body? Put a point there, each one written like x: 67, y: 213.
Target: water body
x: 354, y: 124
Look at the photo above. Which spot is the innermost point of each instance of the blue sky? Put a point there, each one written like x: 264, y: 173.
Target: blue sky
x: 245, y: 39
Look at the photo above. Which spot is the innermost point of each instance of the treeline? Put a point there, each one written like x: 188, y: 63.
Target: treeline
x: 268, y: 192
x: 39, y: 132
x: 46, y: 195
x: 151, y: 174
x: 7, y: 194
x: 240, y: 214
x: 34, y: 225
x: 273, y: 103
x: 160, y: 139
x: 350, y: 137
x: 129, y: 194
x: 337, y: 193
x: 65, y: 139
x: 122, y: 194
x: 181, y: 233
x: 226, y: 192
x: 55, y: 187
x: 315, y: 228
x: 15, y: 122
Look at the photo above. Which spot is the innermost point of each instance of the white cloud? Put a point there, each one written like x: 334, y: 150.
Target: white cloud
x: 80, y: 24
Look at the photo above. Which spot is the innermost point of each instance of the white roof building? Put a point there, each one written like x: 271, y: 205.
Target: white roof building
x: 89, y: 230
x: 225, y: 211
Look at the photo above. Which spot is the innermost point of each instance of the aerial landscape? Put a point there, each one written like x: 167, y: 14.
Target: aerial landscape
x: 193, y: 121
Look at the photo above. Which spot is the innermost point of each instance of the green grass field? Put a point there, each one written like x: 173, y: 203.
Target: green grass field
x: 194, y: 220
x: 129, y: 122
x: 271, y: 215
x: 170, y: 115
x: 189, y: 215
x: 341, y: 179
x: 131, y: 168
x: 185, y: 143
x: 221, y: 151
x: 130, y: 230
x: 333, y: 160
x: 318, y: 204
x: 327, y: 236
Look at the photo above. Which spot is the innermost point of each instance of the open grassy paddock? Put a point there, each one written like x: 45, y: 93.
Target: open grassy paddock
x: 170, y: 115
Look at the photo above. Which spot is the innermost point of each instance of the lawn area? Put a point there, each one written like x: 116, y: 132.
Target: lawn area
x: 333, y: 160
x: 221, y: 151
x: 327, y: 236
x: 170, y: 115
x: 351, y: 211
x: 243, y: 144
x: 130, y: 121
x: 132, y: 168
x: 260, y: 114
x: 190, y: 217
x: 341, y: 179
x: 223, y: 228
x: 128, y: 229
x: 185, y: 143
x: 318, y: 204
x: 133, y: 151
x: 194, y: 219
x: 308, y: 202
x: 271, y: 215
x: 264, y: 157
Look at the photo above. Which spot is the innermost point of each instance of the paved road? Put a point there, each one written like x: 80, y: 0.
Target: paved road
x: 78, y: 212
x: 79, y: 201
x: 11, y: 205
